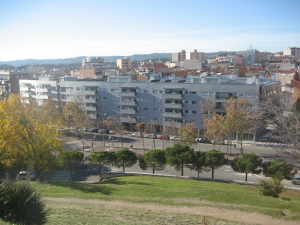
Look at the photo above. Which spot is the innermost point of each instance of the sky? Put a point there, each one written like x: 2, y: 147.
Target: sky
x: 51, y: 29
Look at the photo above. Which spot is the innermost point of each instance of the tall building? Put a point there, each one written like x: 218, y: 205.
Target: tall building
x: 249, y: 57
x: 179, y: 56
x: 294, y: 51
x: 126, y: 63
x: 195, y: 55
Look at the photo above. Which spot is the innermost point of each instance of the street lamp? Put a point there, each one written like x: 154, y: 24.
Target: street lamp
x: 103, y: 114
x: 164, y: 132
x: 109, y: 151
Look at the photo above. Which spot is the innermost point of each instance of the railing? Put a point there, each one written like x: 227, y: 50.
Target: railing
x: 127, y: 94
x: 132, y: 103
x: 90, y: 108
x: 128, y: 111
x: 172, y: 96
x: 173, y: 105
x: 87, y: 100
x: 173, y: 115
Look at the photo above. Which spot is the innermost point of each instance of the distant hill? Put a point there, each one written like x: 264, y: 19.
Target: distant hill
x: 137, y: 57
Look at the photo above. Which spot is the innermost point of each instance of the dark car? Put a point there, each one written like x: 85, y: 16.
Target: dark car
x: 23, y: 176
x: 104, y: 131
x: 94, y: 130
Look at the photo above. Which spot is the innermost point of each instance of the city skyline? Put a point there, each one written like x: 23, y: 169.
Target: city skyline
x: 65, y: 29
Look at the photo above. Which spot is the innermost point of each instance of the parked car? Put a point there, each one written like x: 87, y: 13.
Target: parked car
x: 22, y: 175
x: 175, y: 138
x: 165, y: 137
x: 136, y: 135
x: 104, y: 131
x: 296, y: 179
x: 153, y: 136
x: 94, y: 130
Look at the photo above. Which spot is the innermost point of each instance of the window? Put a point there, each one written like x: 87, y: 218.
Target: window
x: 186, y: 102
x: 158, y: 91
x: 186, y: 92
x: 155, y: 109
x: 104, y: 97
x: 194, y: 112
x: 219, y: 105
x: 241, y: 94
x: 204, y: 92
x: 193, y: 102
x: 193, y: 92
x: 186, y: 111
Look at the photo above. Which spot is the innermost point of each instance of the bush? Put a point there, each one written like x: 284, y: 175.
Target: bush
x: 23, y: 205
x: 271, y: 187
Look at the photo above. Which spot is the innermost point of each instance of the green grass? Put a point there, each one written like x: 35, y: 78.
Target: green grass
x: 178, y: 192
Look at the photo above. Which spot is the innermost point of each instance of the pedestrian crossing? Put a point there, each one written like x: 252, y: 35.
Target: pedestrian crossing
x: 62, y: 175
x: 269, y: 144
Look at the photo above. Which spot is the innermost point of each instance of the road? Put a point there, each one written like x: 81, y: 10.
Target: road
x: 265, y: 150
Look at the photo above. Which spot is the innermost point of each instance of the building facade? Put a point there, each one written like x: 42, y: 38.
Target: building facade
x: 172, y: 100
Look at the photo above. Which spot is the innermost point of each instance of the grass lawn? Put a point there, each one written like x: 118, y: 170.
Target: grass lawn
x: 164, y: 191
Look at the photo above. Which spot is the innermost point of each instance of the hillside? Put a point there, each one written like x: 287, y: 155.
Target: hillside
x: 137, y: 57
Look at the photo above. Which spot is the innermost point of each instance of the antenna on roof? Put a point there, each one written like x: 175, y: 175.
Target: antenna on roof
x: 250, y: 46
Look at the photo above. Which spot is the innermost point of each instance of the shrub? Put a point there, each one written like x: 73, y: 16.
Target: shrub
x: 271, y: 187
x: 23, y: 205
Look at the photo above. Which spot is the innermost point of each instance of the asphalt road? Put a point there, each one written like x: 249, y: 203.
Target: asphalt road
x: 265, y: 150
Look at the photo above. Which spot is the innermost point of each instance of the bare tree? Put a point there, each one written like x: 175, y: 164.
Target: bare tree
x: 285, y: 123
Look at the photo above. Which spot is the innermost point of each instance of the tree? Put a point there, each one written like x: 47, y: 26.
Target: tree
x: 179, y: 156
x: 155, y: 159
x: 214, y: 160
x: 278, y: 169
x: 188, y: 134
x: 124, y: 158
x: 199, y: 162
x: 73, y: 115
x: 216, y: 129
x: 72, y: 159
x: 285, y: 119
x: 101, y: 158
x: 27, y: 135
x: 240, y: 118
x: 247, y: 163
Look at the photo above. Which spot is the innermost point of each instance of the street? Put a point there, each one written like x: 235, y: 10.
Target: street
x: 114, y: 143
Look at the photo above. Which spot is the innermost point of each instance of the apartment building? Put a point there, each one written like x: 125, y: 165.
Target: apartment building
x: 41, y: 90
x: 162, y: 100
x: 294, y: 51
x: 179, y: 56
x: 126, y: 63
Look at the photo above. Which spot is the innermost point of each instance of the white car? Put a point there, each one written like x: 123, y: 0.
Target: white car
x: 174, y: 138
x: 23, y: 176
x: 296, y: 179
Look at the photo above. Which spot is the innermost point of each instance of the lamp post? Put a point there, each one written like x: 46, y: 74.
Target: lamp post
x: 109, y: 151
x: 164, y: 132
x: 102, y: 129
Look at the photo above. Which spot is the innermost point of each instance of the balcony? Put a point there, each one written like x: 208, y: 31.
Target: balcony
x: 132, y: 103
x: 127, y: 94
x: 24, y: 89
x: 172, y: 96
x: 89, y: 92
x: 41, y: 96
x: 87, y: 100
x: 90, y: 108
x: 173, y: 115
x: 127, y: 120
x: 128, y: 111
x: 173, y: 105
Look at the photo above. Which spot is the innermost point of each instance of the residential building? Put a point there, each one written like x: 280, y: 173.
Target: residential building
x: 179, y: 56
x: 126, y: 63
x: 10, y: 80
x: 294, y: 51
x: 171, y: 100
x: 249, y: 57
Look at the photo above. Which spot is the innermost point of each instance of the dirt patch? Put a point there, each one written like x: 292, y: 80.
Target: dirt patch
x: 225, y: 214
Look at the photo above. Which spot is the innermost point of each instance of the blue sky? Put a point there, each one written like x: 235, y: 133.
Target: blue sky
x: 52, y: 29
